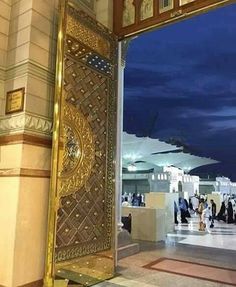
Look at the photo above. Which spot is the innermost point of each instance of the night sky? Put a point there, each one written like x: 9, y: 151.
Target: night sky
x: 180, y: 85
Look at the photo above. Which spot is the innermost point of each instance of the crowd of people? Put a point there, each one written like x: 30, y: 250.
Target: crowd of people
x: 206, y: 211
x: 133, y: 199
x: 196, y: 205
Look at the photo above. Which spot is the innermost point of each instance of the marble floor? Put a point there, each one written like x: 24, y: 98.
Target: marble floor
x: 222, y: 236
x: 215, y: 247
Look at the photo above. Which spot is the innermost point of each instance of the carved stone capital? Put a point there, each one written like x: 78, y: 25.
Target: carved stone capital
x: 26, y: 122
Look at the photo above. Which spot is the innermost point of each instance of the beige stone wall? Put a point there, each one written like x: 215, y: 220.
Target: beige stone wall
x: 8, y: 215
x: 31, y: 53
x: 28, y: 33
x: 31, y: 221
x: 5, y: 13
x: 27, y: 59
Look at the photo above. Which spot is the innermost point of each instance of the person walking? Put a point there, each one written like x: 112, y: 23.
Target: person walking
x: 183, y: 208
x: 221, y: 213
x: 230, y: 213
x: 187, y: 214
x: 234, y: 210
x: 195, y: 203
x: 213, y: 213
x: 200, y: 210
x: 176, y: 212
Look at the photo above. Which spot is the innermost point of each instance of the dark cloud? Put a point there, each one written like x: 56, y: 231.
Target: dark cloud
x: 221, y: 64
x: 134, y: 77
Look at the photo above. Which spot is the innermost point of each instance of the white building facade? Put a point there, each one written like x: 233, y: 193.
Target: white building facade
x: 222, y: 185
x: 168, y: 180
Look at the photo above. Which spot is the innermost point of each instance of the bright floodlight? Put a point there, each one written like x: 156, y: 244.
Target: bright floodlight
x: 132, y: 167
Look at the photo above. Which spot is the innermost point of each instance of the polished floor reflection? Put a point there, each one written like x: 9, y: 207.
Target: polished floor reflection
x: 222, y: 236
x: 215, y: 248
x: 88, y: 270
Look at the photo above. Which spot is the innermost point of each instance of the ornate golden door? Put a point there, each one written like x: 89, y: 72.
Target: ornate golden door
x: 81, y: 215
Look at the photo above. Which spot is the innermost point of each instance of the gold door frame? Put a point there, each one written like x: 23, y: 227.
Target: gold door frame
x: 81, y: 220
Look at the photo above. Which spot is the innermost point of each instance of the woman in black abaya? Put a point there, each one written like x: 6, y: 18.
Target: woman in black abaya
x: 221, y: 214
x: 230, y: 213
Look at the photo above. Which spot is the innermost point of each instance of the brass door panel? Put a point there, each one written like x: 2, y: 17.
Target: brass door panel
x: 81, y: 216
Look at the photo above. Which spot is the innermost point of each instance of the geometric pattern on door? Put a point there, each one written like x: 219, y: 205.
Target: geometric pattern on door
x: 85, y: 218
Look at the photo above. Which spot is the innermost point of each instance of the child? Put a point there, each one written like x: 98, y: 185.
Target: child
x: 200, y: 212
x: 207, y: 213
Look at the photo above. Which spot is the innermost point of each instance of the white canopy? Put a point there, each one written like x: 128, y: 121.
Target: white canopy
x: 135, y: 148
x: 146, y: 153
x: 182, y: 160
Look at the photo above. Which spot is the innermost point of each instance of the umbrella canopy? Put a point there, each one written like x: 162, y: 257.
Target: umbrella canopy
x: 144, y: 153
x: 184, y: 161
x: 136, y: 148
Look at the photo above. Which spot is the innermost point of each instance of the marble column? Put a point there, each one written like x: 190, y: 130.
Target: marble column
x: 122, y: 52
x: 121, y: 67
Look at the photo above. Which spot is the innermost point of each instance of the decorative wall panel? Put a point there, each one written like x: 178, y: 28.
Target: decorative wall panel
x: 128, y: 13
x: 146, y: 9
x: 132, y: 17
